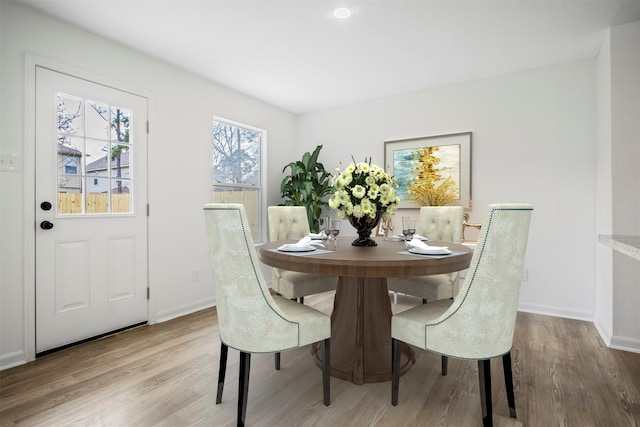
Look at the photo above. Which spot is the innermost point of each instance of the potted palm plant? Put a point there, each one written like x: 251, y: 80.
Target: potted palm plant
x: 308, y: 184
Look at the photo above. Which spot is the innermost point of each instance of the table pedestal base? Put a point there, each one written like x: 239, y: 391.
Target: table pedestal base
x: 361, y: 332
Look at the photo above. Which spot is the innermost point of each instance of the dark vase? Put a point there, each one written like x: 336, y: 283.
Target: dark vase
x: 364, y: 226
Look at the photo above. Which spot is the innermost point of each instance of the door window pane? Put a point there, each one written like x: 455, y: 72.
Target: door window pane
x: 97, y: 196
x: 70, y: 202
x: 95, y: 159
x: 70, y: 116
x: 120, y: 160
x: 120, y: 119
x: 97, y: 120
x: 120, y: 196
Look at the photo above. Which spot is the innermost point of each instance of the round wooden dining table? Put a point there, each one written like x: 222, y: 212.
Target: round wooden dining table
x: 361, y: 317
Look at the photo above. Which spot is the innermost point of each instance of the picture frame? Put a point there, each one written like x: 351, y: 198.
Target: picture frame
x: 380, y: 230
x: 454, y: 153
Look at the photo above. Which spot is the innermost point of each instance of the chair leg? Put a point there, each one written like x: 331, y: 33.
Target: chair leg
x: 325, y: 351
x: 243, y: 387
x: 508, y: 381
x: 224, y: 350
x: 277, y: 360
x: 395, y: 375
x: 445, y: 364
x: 484, y: 374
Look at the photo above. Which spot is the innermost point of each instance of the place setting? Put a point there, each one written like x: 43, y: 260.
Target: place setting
x: 417, y: 245
x: 303, y: 246
x: 315, y: 242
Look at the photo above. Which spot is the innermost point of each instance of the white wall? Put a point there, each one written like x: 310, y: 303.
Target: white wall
x: 618, y: 201
x: 182, y: 106
x: 625, y: 177
x: 603, y: 318
x: 534, y: 140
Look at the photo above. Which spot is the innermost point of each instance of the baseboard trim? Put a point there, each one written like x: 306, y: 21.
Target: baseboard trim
x: 183, y: 310
x: 606, y: 337
x: 554, y: 311
x: 11, y: 360
x: 611, y: 341
x: 625, y: 344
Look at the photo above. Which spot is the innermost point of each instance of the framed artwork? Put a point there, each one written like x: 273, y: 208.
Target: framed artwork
x: 440, y: 158
x: 380, y: 231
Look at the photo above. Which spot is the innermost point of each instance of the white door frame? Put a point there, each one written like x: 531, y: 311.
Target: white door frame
x: 29, y: 271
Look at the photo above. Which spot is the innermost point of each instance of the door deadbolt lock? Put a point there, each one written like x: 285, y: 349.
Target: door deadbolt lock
x: 45, y: 206
x: 46, y: 225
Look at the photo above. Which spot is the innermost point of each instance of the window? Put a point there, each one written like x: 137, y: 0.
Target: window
x: 93, y: 138
x: 71, y: 165
x: 238, y: 169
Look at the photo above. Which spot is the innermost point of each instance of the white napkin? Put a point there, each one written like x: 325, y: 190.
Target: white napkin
x: 304, y: 244
x: 315, y: 236
x: 418, y: 246
x: 419, y: 237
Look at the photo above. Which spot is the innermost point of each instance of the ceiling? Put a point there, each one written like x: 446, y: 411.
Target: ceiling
x: 294, y: 54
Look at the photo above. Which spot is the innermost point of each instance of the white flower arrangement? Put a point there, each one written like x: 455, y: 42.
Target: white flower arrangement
x: 362, y: 190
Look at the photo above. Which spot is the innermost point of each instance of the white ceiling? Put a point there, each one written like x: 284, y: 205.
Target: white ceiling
x: 295, y: 55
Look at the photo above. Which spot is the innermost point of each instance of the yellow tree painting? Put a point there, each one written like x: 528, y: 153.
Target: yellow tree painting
x: 429, y: 187
x: 431, y: 170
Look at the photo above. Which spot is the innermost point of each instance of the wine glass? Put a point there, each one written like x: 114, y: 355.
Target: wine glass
x: 408, y: 227
x: 335, y: 230
x: 327, y: 227
x: 405, y: 226
x: 412, y: 229
x: 322, y: 225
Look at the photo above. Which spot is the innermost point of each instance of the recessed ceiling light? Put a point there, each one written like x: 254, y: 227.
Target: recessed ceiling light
x: 342, y: 13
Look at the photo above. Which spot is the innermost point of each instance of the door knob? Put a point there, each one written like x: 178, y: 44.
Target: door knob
x: 46, y: 225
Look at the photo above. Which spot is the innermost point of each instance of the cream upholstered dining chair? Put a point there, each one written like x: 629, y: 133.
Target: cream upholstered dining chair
x: 436, y: 223
x: 290, y: 222
x: 480, y: 323
x: 250, y: 319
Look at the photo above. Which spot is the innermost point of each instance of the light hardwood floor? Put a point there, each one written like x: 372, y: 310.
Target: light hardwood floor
x: 166, y: 374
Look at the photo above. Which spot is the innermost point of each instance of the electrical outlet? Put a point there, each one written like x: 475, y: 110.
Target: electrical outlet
x: 525, y: 275
x: 195, y: 276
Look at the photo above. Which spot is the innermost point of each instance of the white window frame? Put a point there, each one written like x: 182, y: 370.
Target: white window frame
x: 261, y: 236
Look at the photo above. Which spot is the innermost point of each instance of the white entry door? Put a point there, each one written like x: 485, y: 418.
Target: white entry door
x: 91, y: 216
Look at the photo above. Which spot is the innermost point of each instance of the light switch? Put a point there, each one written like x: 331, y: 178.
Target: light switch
x: 9, y: 162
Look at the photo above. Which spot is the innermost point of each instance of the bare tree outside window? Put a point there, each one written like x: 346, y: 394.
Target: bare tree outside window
x: 235, y: 154
x: 120, y: 120
x: 237, y: 151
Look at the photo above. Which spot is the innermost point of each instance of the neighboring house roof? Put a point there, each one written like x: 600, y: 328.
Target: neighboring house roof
x: 68, y: 151
x: 101, y: 163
